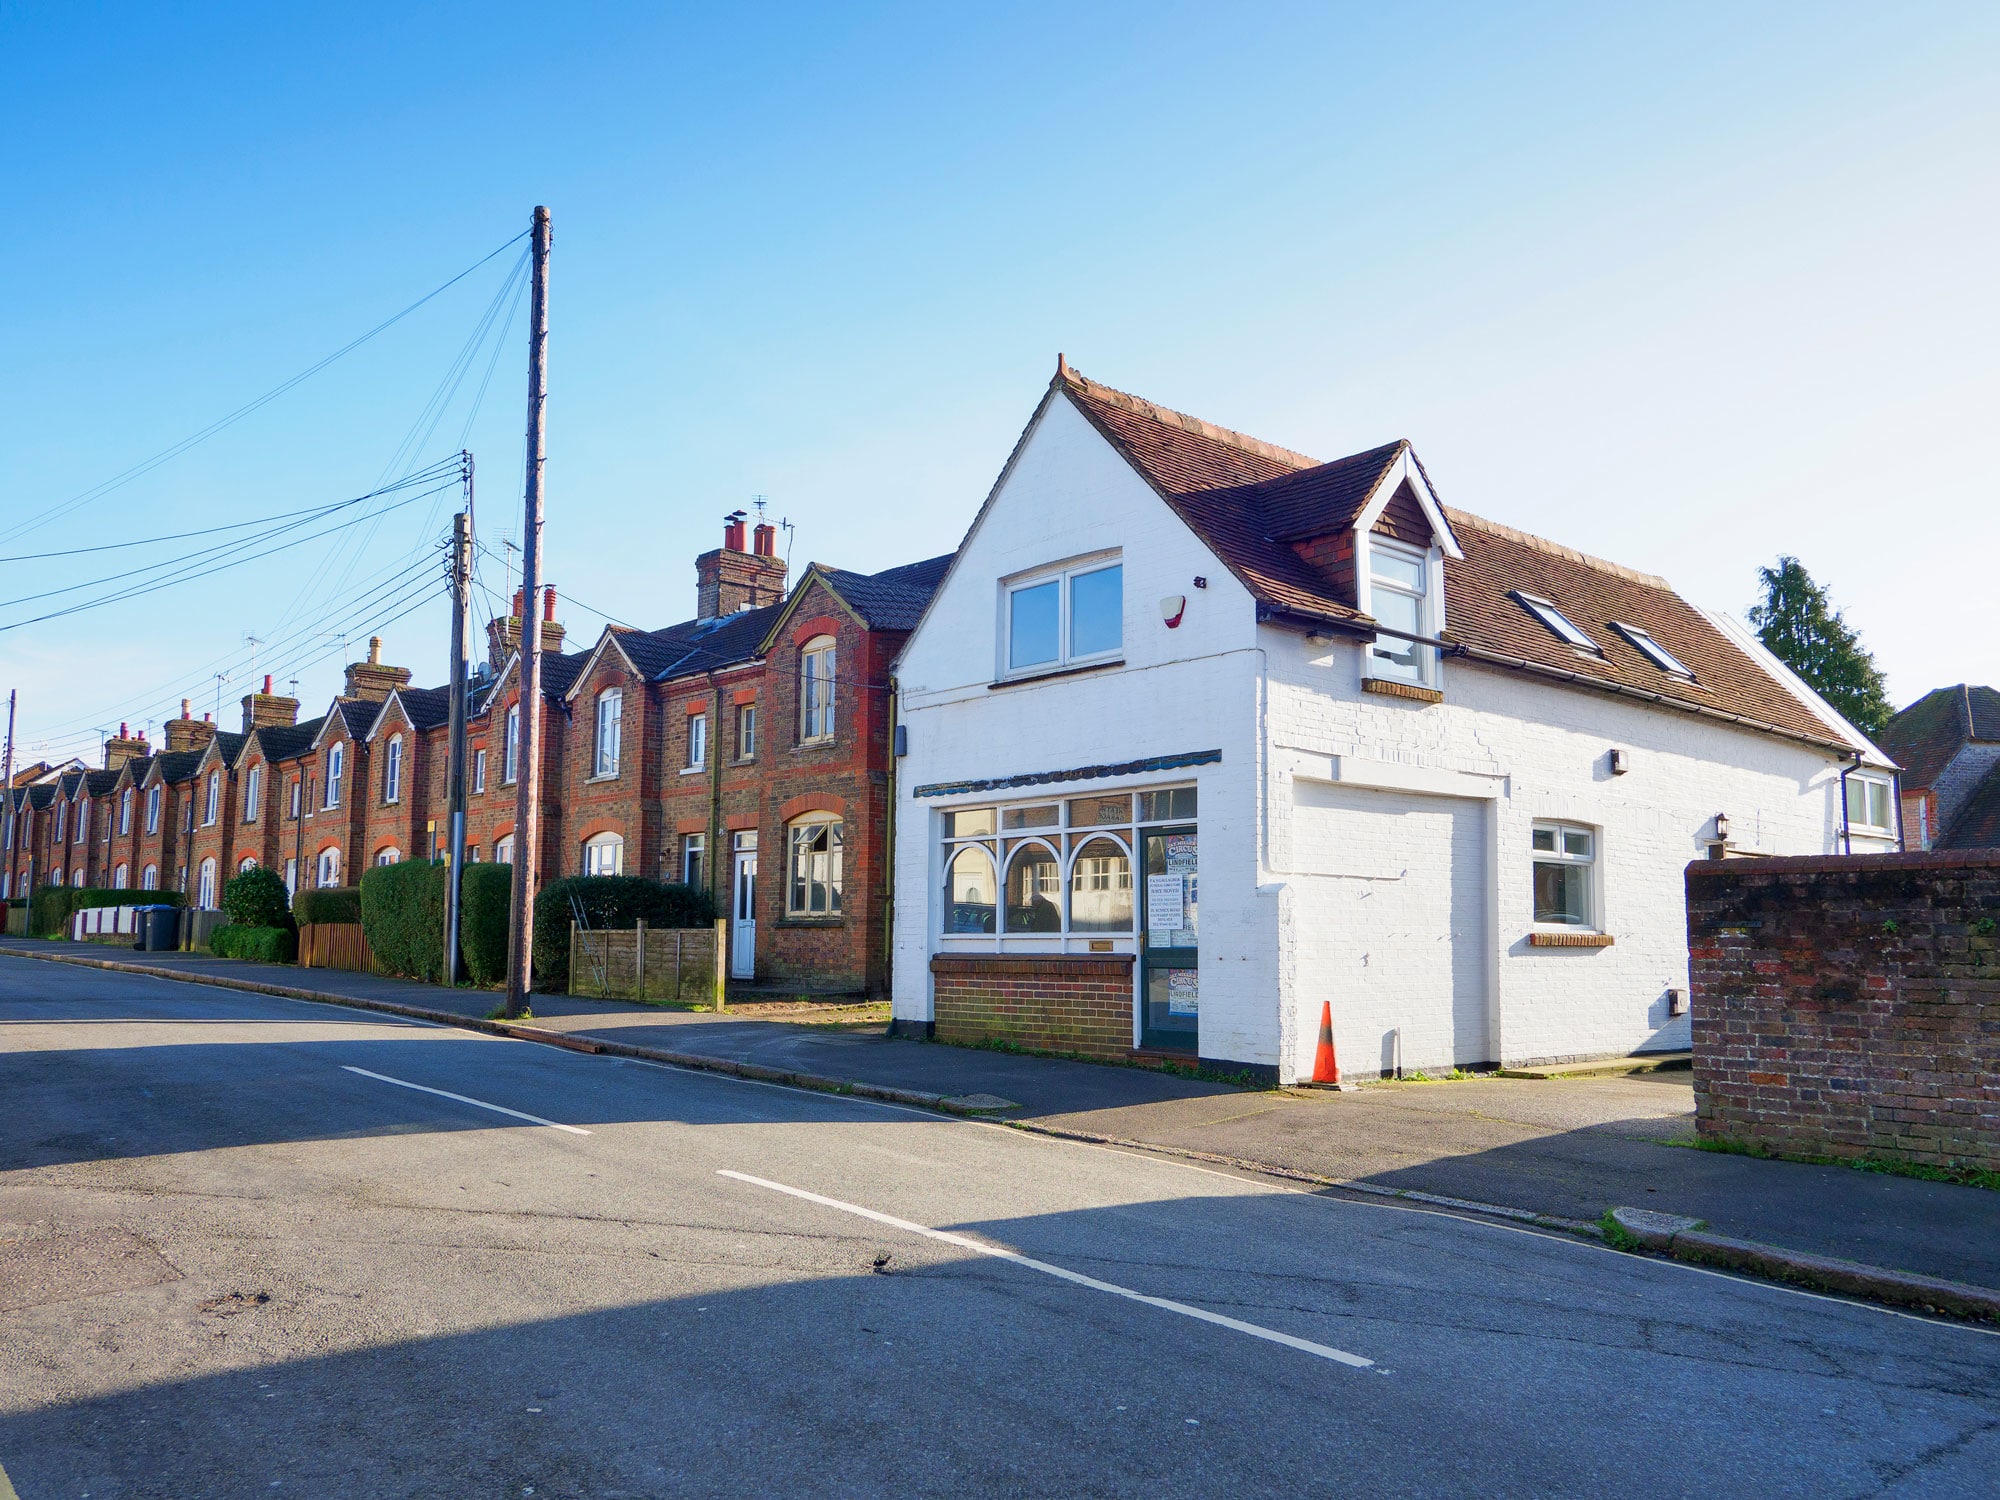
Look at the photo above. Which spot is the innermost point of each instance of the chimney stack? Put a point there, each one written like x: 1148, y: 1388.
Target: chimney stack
x: 502, y: 636
x: 371, y: 681
x: 730, y: 579
x: 123, y: 748
x: 188, y: 732
x: 266, y: 709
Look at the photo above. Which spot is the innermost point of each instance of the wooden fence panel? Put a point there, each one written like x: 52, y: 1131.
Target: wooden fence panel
x: 674, y: 964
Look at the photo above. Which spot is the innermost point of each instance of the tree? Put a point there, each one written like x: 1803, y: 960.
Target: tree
x: 1800, y: 626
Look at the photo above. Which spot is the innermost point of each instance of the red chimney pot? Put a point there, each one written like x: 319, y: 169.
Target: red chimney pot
x: 548, y: 604
x: 267, y: 684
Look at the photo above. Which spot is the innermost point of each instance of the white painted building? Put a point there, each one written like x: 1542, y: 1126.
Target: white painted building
x: 1152, y: 727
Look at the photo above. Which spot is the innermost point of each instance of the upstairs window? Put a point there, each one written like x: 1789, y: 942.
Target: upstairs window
x: 211, y: 802
x: 1399, y: 597
x: 510, y: 746
x: 297, y: 781
x: 336, y: 767
x: 816, y: 695
x: 1071, y: 618
x: 1868, y: 803
x: 392, y: 770
x: 1652, y: 650
x: 125, y: 812
x: 153, y: 809
x: 479, y: 770
x: 83, y: 821
x: 1565, y: 858
x: 697, y: 741
x: 253, y: 793
x: 610, y: 715
x: 746, y: 731
x: 1557, y: 623
x: 62, y: 820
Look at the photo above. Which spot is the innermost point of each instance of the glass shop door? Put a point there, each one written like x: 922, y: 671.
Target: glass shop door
x: 1170, y: 974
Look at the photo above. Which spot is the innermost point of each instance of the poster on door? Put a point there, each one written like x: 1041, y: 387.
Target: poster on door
x: 1183, y: 992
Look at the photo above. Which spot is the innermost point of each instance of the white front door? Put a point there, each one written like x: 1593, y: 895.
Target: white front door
x: 743, y: 911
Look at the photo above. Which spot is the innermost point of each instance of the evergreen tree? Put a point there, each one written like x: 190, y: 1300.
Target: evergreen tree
x: 1800, y: 626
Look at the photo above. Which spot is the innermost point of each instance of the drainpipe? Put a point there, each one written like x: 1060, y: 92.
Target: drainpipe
x: 1846, y: 827
x: 713, y: 749
x: 889, y: 848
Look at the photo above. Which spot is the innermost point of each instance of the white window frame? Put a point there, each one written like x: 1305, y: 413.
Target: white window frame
x: 211, y: 800
x: 253, y: 793
x: 610, y: 727
x: 388, y: 854
x: 120, y: 876
x: 83, y: 820
x: 1643, y: 642
x: 510, y: 745
x: 694, y: 859
x: 746, y: 731
x: 1424, y: 658
x: 819, y: 690
x: 297, y: 795
x: 1591, y: 865
x: 597, y: 847
x: 1064, y: 576
x: 247, y: 862
x: 503, y: 849
x: 479, y: 769
x: 697, y: 742
x: 1870, y: 784
x: 327, y: 861
x: 392, y: 771
x: 125, y: 813
x: 336, y: 769
x: 62, y: 823
x: 830, y: 875
x: 153, y: 799
x: 205, y: 878
x: 1550, y: 617
x: 149, y: 878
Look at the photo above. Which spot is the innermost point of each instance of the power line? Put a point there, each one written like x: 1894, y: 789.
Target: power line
x: 173, y: 451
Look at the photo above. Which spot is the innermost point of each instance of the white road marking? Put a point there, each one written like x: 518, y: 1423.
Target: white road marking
x: 1271, y: 1335
x: 497, y: 1109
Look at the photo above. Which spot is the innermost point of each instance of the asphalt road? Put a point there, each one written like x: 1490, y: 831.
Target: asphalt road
x: 251, y: 1246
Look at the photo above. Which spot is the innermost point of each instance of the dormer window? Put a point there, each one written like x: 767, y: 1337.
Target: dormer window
x: 1558, y: 624
x: 1652, y: 650
x: 1400, y: 599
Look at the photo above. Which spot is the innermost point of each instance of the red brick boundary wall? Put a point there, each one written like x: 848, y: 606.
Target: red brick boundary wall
x: 1849, y: 1005
x: 1054, y: 1002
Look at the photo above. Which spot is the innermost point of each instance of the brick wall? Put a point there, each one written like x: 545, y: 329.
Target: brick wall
x: 1056, y: 1002
x: 1849, y: 1005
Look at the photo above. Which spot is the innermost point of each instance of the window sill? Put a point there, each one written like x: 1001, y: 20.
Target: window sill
x: 692, y: 770
x: 817, y: 742
x: 1021, y: 679
x: 834, y: 921
x: 600, y: 776
x: 1570, y: 940
x: 1388, y: 687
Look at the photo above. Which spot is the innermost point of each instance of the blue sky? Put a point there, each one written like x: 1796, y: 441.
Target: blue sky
x: 1686, y: 289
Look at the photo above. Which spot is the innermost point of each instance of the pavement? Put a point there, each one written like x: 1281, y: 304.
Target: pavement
x: 256, y: 1246
x: 1564, y: 1149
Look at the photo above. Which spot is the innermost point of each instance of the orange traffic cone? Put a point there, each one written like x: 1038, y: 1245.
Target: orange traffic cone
x: 1326, y: 1066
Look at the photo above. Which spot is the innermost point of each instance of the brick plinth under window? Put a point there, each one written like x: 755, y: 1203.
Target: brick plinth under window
x: 1053, y: 1002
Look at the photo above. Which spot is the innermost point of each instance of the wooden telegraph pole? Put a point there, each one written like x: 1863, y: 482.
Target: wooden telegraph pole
x: 461, y: 632
x: 528, y: 769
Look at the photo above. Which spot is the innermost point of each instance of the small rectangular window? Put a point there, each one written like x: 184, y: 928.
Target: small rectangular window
x: 694, y: 859
x: 1090, y: 812
x: 1072, y: 616
x: 1867, y: 802
x: 1565, y: 861
x: 479, y: 770
x: 1045, y: 816
x: 746, y: 731
x: 1167, y: 807
x: 1399, y: 599
x: 1557, y: 623
x: 968, y: 822
x: 697, y: 740
x: 1652, y: 650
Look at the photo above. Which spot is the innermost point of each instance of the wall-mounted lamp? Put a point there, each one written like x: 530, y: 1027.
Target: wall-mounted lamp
x: 1677, y: 1002
x: 1619, y: 762
x: 1172, y: 608
x: 1722, y: 825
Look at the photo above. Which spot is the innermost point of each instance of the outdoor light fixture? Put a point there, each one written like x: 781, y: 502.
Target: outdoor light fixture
x: 1722, y: 825
x: 1620, y: 762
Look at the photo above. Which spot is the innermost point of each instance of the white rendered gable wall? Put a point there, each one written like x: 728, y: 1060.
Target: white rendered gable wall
x: 1193, y: 688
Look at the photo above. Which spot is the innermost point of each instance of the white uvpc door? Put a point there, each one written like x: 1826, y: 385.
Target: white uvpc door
x: 743, y: 910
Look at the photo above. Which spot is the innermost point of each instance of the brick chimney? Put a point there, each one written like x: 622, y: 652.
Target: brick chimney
x: 729, y: 578
x: 124, y: 747
x: 369, y: 680
x: 188, y: 732
x: 262, y: 710
x: 502, y: 636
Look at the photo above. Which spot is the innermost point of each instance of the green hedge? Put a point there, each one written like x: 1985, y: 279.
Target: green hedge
x: 607, y: 901
x: 484, y: 898
x: 333, y: 903
x: 257, y: 898
x: 402, y: 916
x: 264, y: 945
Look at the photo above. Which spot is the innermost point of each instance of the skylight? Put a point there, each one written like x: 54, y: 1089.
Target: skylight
x: 1557, y: 622
x: 1653, y: 651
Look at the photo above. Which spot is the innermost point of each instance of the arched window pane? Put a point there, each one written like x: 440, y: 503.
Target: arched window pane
x: 1100, y: 888
x: 1034, y: 890
x: 972, y: 887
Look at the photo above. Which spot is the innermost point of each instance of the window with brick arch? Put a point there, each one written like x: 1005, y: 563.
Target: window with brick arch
x: 816, y: 689
x: 62, y: 818
x: 812, y: 888
x: 604, y: 855
x: 510, y: 745
x: 125, y: 812
x: 253, y: 793
x: 329, y: 867
x: 247, y: 862
x: 152, y: 809
x: 83, y: 821
x: 149, y: 878
x: 298, y: 783
x: 336, y: 768
x: 503, y: 851
x: 392, y: 770
x: 120, y: 876
x: 211, y: 806
x: 205, y: 886
x: 610, y: 717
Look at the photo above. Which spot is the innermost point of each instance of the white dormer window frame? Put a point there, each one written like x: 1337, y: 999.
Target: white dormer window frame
x: 153, y: 808
x: 1402, y: 587
x: 253, y: 793
x: 392, y: 770
x: 610, y: 726
x: 336, y: 768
